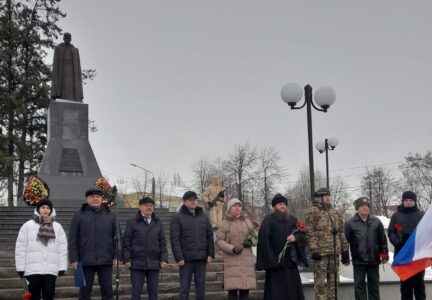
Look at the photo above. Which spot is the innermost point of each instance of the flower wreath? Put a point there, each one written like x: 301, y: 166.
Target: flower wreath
x: 108, y: 196
x: 35, y: 191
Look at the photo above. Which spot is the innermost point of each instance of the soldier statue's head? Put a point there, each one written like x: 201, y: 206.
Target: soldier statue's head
x: 67, y: 38
x: 215, y: 180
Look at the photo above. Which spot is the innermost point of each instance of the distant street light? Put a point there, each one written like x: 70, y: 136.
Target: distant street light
x: 325, y: 146
x: 324, y: 96
x: 153, y: 179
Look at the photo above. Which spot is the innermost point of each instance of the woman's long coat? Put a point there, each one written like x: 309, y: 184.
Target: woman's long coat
x: 239, y: 269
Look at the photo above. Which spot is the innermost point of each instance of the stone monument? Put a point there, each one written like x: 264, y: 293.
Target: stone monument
x: 69, y: 166
x: 213, y: 196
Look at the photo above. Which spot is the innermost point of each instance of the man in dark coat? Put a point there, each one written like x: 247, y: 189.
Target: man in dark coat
x: 402, y: 224
x: 368, y: 243
x: 282, y: 280
x: 192, y: 245
x: 144, y: 249
x: 91, y: 242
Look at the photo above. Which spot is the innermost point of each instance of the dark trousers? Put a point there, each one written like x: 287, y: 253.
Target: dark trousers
x: 414, y: 284
x: 372, y: 273
x: 238, y: 294
x: 41, y: 283
x: 137, y: 280
x: 198, y: 269
x: 105, y: 282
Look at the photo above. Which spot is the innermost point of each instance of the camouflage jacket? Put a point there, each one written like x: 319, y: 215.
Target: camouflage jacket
x: 319, y: 221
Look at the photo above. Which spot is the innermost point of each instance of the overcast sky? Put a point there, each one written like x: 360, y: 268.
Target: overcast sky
x: 177, y: 80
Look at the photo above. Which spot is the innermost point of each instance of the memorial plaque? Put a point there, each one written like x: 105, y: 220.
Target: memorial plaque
x: 70, y: 161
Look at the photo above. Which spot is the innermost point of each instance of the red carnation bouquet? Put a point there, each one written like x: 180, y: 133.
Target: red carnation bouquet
x: 35, y: 190
x: 108, y: 196
x: 26, y: 294
x: 300, y: 227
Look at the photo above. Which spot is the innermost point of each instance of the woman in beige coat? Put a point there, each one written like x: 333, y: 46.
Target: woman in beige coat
x: 234, y: 240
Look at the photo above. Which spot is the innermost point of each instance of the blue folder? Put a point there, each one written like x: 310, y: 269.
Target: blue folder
x: 79, y: 276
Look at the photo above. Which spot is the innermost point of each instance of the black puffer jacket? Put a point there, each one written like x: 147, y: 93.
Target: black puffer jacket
x: 144, y: 244
x: 407, y: 218
x: 191, y: 235
x: 367, y: 240
x: 91, y: 236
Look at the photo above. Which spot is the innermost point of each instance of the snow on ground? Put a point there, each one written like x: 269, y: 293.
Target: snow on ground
x: 385, y: 221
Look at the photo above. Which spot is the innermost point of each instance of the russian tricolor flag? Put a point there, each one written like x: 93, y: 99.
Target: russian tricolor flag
x: 416, y: 254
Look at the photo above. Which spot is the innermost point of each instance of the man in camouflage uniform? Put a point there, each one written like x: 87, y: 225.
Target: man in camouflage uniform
x: 323, y: 224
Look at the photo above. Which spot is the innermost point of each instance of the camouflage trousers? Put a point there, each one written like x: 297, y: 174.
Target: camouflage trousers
x: 324, y: 277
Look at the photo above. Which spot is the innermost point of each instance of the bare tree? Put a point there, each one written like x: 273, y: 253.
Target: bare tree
x: 299, y: 193
x: 140, y: 184
x: 381, y: 188
x: 201, y: 170
x: 240, y: 165
x: 417, y: 172
x: 161, y: 181
x: 269, y: 172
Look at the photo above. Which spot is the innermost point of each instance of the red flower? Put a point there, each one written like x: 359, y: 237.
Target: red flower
x: 255, y: 224
x: 398, y: 227
x: 383, y: 256
x: 27, y: 295
x: 301, y: 226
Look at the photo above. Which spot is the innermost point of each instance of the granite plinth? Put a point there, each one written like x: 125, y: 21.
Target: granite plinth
x: 69, y: 166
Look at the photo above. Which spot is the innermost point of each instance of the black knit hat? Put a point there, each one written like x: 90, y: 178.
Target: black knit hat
x: 279, y: 198
x: 93, y: 191
x: 44, y: 202
x: 146, y: 200
x: 190, y: 195
x: 409, y: 195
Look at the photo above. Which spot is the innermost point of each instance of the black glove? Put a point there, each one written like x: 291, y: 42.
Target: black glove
x: 345, y: 258
x: 21, y: 274
x: 316, y: 256
x: 61, y: 273
x: 247, y: 244
x: 237, y: 249
x: 221, y: 194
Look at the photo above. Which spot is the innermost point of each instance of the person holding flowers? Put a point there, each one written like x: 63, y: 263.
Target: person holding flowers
x: 235, y: 237
x: 280, y: 249
x: 368, y: 244
x: 41, y: 251
x: 402, y: 224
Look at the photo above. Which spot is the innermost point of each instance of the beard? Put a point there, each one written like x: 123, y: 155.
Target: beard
x: 281, y: 215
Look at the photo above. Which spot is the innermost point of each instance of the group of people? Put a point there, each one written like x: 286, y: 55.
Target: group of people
x: 42, y: 249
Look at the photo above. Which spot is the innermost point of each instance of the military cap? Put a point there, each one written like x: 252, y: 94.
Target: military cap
x: 322, y: 192
x: 93, y: 191
x: 360, y: 201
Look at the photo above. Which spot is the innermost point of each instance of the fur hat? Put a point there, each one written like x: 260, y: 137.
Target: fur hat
x: 409, y: 195
x: 232, y: 202
x: 279, y: 198
x: 146, y: 200
x: 361, y: 201
x: 44, y: 202
x: 190, y: 195
x: 93, y: 191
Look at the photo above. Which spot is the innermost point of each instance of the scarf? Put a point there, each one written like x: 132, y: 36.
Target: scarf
x: 46, y: 229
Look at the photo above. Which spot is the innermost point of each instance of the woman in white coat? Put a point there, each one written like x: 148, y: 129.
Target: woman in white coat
x: 41, y: 251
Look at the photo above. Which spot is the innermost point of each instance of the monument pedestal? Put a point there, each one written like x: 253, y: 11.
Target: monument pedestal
x: 69, y: 166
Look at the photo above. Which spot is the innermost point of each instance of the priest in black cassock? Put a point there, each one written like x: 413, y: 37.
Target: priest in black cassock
x: 282, y: 280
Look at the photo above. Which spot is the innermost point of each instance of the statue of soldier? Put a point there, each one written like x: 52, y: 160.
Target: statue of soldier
x: 66, y: 76
x: 213, y: 197
x: 326, y: 240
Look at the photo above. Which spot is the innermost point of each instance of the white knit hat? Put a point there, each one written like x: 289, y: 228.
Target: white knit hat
x: 232, y: 202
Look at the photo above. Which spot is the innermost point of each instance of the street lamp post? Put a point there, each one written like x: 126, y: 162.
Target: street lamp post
x: 324, y: 96
x: 325, y: 146
x: 153, y: 179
